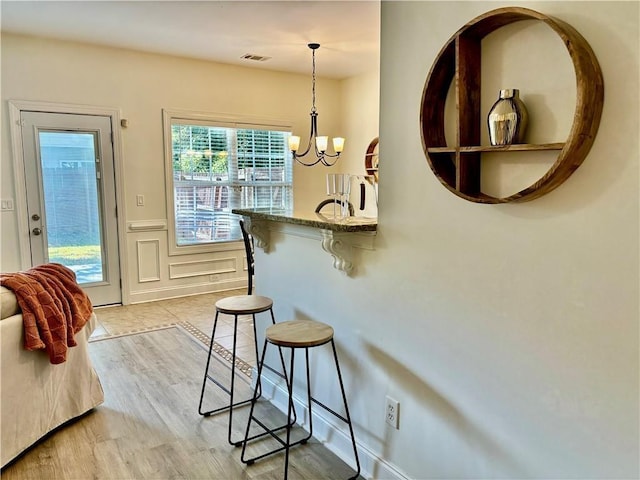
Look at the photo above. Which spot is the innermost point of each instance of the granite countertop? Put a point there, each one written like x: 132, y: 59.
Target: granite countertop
x: 311, y: 219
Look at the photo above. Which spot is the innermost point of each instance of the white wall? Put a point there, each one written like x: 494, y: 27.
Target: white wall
x: 141, y: 85
x: 509, y: 333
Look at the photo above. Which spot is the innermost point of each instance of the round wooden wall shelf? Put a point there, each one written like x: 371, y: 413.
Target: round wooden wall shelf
x: 458, y: 166
x: 371, y: 159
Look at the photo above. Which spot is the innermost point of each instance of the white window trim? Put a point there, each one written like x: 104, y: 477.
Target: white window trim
x: 222, y: 120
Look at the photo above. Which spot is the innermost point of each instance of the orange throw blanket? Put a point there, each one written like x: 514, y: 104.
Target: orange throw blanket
x: 54, y: 307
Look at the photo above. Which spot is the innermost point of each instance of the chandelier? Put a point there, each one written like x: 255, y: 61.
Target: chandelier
x: 319, y: 143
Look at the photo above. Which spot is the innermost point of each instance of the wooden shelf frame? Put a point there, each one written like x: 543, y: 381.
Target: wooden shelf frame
x: 458, y: 167
x: 372, y: 151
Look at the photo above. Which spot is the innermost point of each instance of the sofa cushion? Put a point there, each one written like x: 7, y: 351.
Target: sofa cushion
x: 8, y: 303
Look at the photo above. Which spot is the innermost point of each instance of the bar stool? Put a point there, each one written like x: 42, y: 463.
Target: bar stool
x: 296, y: 334
x: 237, y: 305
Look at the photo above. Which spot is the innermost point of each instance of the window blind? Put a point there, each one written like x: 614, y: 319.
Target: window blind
x: 219, y: 168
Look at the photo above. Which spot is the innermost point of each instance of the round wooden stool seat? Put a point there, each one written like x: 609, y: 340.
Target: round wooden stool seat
x: 244, y: 304
x: 299, y: 333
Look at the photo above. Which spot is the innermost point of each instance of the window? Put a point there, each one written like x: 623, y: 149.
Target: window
x: 216, y: 166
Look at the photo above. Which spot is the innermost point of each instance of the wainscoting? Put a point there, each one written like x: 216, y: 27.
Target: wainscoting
x: 156, y: 275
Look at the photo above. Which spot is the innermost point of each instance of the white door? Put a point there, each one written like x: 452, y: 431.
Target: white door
x: 71, y: 198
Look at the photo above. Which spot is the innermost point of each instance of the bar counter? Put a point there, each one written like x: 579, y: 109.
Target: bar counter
x: 338, y: 236
x: 311, y: 219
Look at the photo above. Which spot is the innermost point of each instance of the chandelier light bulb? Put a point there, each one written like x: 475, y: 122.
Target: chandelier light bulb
x: 321, y: 143
x: 294, y: 143
x: 338, y: 144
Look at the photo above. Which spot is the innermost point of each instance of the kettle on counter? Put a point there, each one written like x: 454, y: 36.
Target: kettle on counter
x: 364, y: 196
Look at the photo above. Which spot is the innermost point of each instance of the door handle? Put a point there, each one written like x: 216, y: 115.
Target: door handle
x: 36, y: 231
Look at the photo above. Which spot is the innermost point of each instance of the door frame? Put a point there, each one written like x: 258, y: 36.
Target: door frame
x: 15, y: 108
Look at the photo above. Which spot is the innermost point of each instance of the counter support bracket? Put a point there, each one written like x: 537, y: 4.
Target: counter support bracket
x: 341, y: 245
x: 340, y: 248
x: 260, y: 233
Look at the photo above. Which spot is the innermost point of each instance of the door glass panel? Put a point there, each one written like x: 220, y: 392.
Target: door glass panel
x: 72, y: 202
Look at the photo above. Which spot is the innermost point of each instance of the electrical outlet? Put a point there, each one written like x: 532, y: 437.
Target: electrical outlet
x: 392, y: 413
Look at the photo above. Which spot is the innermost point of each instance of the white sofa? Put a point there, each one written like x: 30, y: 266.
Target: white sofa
x: 35, y: 396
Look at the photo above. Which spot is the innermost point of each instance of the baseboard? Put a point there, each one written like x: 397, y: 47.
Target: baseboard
x: 165, y: 293
x: 333, y: 434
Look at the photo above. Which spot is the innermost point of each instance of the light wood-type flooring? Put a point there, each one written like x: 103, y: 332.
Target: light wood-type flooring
x: 148, y: 426
x: 198, y: 310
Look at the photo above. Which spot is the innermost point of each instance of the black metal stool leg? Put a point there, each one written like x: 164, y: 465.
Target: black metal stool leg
x: 253, y: 404
x: 255, y: 346
x: 282, y: 363
x: 291, y: 414
x: 258, y: 390
x: 230, y: 391
x: 206, y: 371
x: 233, y: 375
x: 289, y: 426
x: 346, y: 408
x: 306, y: 358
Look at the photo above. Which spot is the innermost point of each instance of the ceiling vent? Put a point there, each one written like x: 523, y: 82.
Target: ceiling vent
x: 255, y: 58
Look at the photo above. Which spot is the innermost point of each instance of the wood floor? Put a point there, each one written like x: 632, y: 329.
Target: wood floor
x: 149, y: 426
x: 198, y: 310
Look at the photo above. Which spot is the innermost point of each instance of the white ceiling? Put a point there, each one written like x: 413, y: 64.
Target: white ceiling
x: 222, y: 31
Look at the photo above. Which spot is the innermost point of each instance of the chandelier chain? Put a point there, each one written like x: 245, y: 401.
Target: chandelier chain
x: 313, y: 82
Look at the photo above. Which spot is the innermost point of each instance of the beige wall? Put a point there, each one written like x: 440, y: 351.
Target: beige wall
x: 509, y: 333
x: 361, y: 96
x: 141, y: 85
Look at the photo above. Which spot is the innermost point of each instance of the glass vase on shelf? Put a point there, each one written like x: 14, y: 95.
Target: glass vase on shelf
x: 507, y: 119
